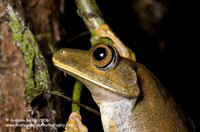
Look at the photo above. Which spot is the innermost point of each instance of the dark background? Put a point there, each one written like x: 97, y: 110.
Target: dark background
x: 170, y: 52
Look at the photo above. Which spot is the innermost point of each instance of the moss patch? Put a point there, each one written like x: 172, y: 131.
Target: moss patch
x: 37, y: 74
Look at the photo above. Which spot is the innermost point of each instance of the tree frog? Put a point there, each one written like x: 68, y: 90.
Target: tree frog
x: 130, y: 97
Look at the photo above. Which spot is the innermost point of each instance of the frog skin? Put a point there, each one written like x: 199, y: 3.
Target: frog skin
x: 130, y: 97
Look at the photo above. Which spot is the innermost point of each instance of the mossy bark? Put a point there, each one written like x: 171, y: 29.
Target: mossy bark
x: 37, y: 72
x: 37, y: 78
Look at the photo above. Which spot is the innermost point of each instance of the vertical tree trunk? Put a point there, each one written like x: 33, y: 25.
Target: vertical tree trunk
x: 25, y: 64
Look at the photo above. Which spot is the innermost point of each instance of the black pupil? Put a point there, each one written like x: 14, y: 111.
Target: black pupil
x: 99, y: 53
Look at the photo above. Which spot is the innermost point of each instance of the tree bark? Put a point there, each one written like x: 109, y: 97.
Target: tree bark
x: 24, y: 62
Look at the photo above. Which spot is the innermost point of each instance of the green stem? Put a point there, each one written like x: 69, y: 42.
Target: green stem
x: 76, y: 96
x: 92, y: 17
x: 90, y: 13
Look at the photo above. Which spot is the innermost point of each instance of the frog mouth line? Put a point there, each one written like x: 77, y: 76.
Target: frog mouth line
x: 68, y: 69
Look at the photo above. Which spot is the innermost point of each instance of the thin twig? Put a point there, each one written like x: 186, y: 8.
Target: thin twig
x: 74, y: 101
x: 77, y: 36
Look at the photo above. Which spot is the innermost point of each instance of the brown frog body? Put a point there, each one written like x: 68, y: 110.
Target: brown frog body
x: 130, y: 97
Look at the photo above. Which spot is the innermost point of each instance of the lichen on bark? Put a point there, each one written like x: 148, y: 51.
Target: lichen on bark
x: 37, y: 74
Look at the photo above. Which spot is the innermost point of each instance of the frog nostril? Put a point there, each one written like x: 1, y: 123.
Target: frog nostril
x: 62, y: 52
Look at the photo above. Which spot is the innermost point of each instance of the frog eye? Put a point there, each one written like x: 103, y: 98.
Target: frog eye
x: 105, y: 57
